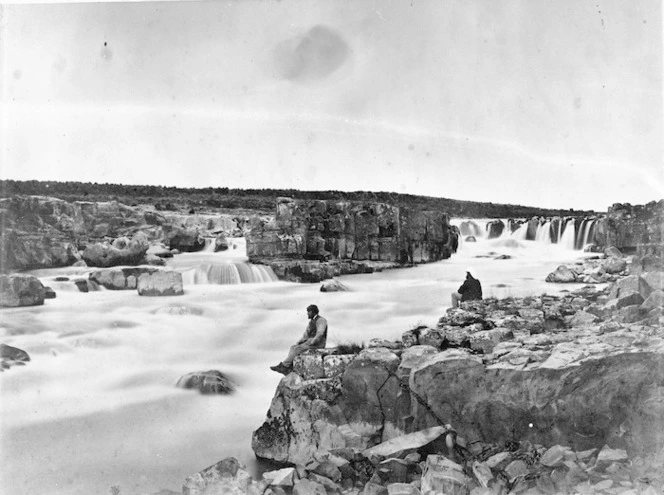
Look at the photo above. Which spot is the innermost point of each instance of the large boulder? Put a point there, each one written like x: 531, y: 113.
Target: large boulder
x: 160, y: 283
x: 563, y: 274
x: 345, y: 410
x: 654, y: 300
x: 567, y: 399
x: 651, y: 281
x: 186, y: 240
x: 21, y: 290
x: 614, y: 265
x: 11, y: 356
x: 126, y: 253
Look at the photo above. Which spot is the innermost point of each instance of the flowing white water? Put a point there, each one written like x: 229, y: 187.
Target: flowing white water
x: 97, y: 406
x: 543, y: 233
x: 521, y: 233
x: 569, y: 235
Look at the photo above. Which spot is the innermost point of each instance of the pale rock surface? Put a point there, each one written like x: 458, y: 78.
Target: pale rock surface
x: 160, y: 283
x: 21, y: 290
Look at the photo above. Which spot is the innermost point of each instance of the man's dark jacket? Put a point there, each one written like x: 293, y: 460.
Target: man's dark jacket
x: 471, y: 290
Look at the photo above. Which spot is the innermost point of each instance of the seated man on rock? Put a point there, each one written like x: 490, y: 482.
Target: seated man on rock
x: 314, y: 337
x: 471, y: 290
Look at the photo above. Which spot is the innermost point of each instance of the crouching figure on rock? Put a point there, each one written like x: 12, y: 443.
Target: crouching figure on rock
x: 314, y: 337
x: 471, y: 290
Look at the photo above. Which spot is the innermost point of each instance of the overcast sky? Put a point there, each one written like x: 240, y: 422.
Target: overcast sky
x: 552, y: 103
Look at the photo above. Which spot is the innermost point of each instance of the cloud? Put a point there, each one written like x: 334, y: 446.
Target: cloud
x: 310, y: 56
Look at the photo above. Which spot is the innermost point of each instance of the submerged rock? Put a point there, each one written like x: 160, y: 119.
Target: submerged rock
x: 332, y: 285
x: 207, y: 382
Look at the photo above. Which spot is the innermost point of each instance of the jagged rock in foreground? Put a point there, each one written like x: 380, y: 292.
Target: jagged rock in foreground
x: 433, y: 469
x: 575, y: 370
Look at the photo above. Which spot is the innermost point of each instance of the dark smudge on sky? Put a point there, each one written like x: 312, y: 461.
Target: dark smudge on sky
x: 311, y: 56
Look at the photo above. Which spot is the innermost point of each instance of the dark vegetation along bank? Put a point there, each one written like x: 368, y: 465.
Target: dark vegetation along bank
x: 174, y: 198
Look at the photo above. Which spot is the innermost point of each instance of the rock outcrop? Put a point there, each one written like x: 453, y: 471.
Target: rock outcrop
x: 21, y: 290
x: 597, y: 270
x: 627, y: 226
x: 44, y: 232
x: 125, y: 252
x: 347, y: 231
x: 575, y: 370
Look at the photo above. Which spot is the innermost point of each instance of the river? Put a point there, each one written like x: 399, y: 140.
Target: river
x: 97, y: 407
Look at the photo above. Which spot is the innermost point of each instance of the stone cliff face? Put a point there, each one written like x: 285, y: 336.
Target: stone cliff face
x: 43, y: 232
x: 323, y: 230
x: 628, y: 226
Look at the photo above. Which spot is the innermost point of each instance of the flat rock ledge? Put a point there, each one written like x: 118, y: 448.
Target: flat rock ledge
x: 314, y: 271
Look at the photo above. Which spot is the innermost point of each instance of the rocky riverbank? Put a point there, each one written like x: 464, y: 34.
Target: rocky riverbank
x: 536, y: 395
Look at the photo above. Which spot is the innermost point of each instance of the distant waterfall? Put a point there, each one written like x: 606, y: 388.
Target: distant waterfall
x: 521, y: 233
x: 544, y: 233
x: 569, y: 235
x: 566, y: 232
x: 585, y: 234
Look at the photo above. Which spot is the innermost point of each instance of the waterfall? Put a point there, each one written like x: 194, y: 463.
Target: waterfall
x: 229, y: 273
x: 587, y: 234
x: 569, y: 235
x: 227, y: 267
x: 521, y: 233
x: 560, y: 231
x: 543, y: 233
x: 209, y: 245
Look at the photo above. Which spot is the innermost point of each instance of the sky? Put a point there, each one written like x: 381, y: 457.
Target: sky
x: 549, y: 103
